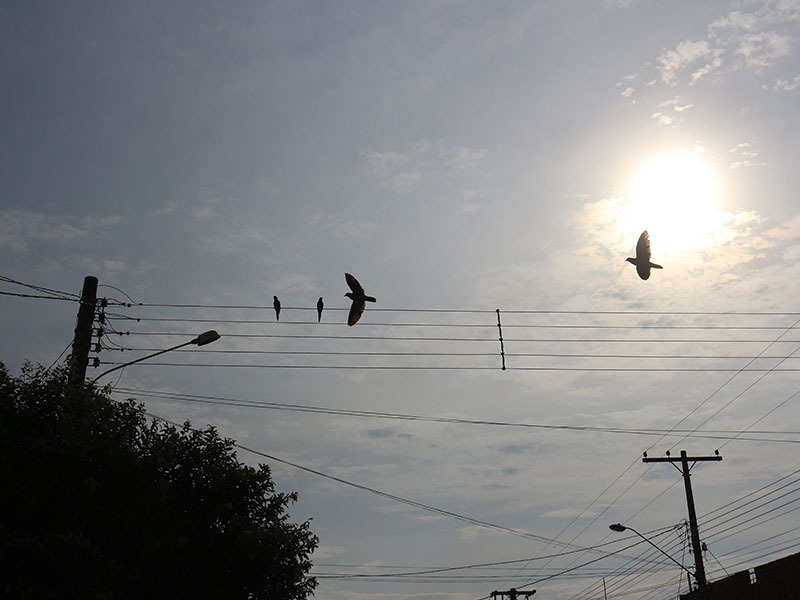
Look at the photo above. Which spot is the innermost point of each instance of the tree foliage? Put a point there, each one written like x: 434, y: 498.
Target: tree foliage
x: 99, y: 501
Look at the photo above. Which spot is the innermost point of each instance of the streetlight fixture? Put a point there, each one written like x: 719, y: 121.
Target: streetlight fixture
x: 201, y: 340
x: 619, y: 527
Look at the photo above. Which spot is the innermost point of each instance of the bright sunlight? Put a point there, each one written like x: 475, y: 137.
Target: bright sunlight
x: 674, y: 196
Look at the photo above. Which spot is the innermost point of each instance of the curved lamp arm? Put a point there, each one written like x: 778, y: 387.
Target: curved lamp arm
x: 200, y: 340
x: 619, y: 527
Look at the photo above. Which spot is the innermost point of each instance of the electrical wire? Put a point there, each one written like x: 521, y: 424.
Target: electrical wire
x: 466, y: 368
x: 512, y: 354
x: 483, y: 311
x: 56, y: 293
x: 64, y: 351
x: 265, y: 405
x: 41, y: 297
x: 459, y: 325
x: 413, y: 503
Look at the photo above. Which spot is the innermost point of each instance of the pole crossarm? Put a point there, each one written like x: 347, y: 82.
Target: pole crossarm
x: 673, y: 459
x: 513, y: 593
x: 699, y: 569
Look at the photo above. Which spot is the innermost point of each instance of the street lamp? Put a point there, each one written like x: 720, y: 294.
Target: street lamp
x: 200, y: 340
x: 619, y: 527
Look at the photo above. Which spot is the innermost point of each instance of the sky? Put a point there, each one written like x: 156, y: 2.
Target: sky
x: 458, y: 158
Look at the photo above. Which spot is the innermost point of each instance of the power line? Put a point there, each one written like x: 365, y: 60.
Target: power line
x: 572, y: 548
x: 480, y: 311
x: 255, y: 404
x: 460, y: 325
x: 40, y: 297
x: 468, y: 368
x: 514, y: 354
x: 39, y: 288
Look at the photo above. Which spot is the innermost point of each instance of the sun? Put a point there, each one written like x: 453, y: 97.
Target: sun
x: 675, y: 197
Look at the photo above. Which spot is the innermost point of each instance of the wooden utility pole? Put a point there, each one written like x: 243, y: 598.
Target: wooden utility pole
x: 699, y: 570
x: 82, y: 342
x: 513, y: 593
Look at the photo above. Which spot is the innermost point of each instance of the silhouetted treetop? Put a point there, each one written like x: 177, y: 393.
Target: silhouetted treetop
x: 97, y: 501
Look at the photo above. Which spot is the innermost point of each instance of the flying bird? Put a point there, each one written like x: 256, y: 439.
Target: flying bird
x: 320, y: 306
x: 358, y: 297
x: 277, y: 305
x: 642, y: 260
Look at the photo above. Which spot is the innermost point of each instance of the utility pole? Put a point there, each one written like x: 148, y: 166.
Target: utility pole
x: 513, y: 593
x: 82, y: 342
x: 699, y: 570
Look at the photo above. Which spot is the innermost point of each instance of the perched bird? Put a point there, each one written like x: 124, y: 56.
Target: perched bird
x: 320, y: 306
x: 642, y: 260
x: 358, y: 297
x: 277, y: 305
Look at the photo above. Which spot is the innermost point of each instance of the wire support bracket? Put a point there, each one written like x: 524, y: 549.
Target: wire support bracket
x: 502, y: 348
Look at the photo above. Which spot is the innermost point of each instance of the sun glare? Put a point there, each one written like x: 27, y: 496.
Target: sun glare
x: 674, y: 196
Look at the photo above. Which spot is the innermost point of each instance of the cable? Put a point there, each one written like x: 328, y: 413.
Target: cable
x: 67, y: 347
x: 465, y: 368
x: 748, y: 495
x: 39, y: 288
x: 468, y: 325
x: 707, y: 524
x: 761, y: 418
x: 120, y: 291
x: 419, y: 505
x: 487, y: 311
x: 743, y: 369
x: 265, y: 405
x: 514, y: 354
x: 717, y: 391
x: 37, y: 296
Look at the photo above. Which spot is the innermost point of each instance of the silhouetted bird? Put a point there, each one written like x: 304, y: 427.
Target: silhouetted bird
x: 277, y: 305
x: 642, y: 260
x: 320, y: 306
x: 358, y: 297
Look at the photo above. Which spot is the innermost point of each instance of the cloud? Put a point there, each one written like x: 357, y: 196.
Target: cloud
x: 19, y: 228
x: 391, y: 168
x: 324, y: 552
x: 785, y: 85
x: 736, y: 21
x: 672, y: 113
x: 662, y: 119
x: 341, y: 227
x: 297, y: 283
x: 381, y: 433
x: 623, y: 4
x: 671, y: 62
x: 746, y: 155
x: 109, y: 268
x: 754, y: 40
x: 759, y: 51
x: 473, y: 202
x: 462, y: 157
x: 790, y: 230
x: 516, y: 449
x: 424, y: 163
x: 569, y: 512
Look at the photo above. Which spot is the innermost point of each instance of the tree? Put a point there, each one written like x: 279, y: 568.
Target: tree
x: 98, y: 501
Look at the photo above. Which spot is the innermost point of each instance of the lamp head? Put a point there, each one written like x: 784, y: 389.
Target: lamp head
x: 617, y: 527
x: 206, y: 338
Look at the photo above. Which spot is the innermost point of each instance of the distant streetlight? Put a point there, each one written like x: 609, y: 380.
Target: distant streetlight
x: 200, y: 340
x: 619, y: 527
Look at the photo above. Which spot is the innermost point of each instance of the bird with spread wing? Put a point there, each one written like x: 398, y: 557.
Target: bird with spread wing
x: 359, y: 298
x: 642, y: 260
